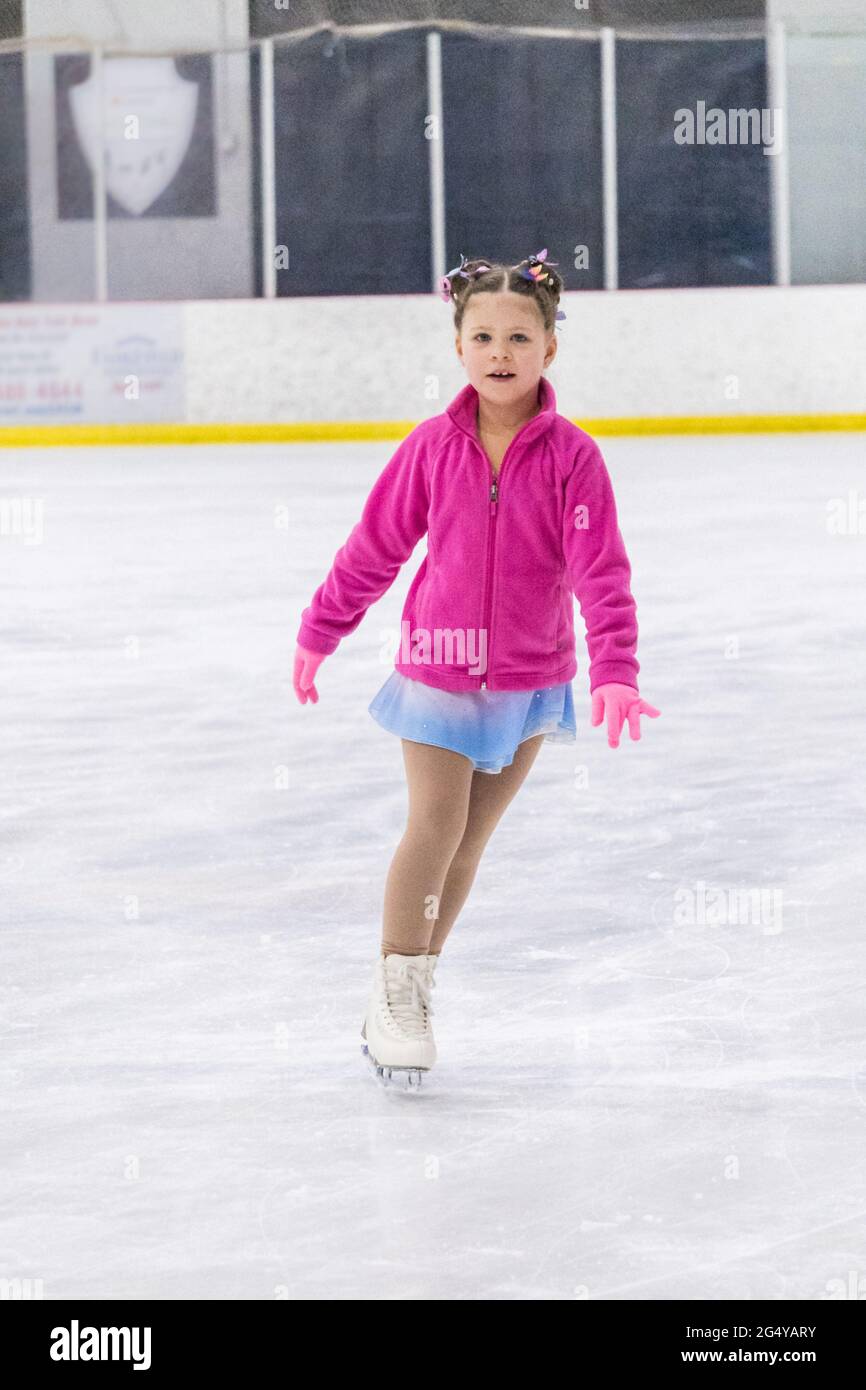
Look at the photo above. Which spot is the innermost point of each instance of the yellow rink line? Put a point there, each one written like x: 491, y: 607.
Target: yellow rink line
x: 332, y: 431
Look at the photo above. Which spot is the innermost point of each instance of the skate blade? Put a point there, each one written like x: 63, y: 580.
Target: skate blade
x: 407, y: 1078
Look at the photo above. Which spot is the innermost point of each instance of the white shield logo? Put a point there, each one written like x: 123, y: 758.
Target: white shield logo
x: 148, y: 117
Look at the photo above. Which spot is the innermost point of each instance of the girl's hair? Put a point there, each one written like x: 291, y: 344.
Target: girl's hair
x: 491, y: 277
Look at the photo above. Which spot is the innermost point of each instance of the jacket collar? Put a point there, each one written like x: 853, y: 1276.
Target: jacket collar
x: 463, y: 411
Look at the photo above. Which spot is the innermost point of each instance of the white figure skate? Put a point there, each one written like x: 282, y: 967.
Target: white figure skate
x: 398, y: 1030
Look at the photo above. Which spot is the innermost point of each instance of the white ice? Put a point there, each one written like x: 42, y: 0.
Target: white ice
x: 630, y: 1102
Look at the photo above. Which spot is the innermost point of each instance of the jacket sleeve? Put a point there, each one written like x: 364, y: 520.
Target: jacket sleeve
x: 393, y: 521
x: 599, y: 570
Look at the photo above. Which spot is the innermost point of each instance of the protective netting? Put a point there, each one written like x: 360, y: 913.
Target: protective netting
x: 291, y: 20
x: 565, y: 16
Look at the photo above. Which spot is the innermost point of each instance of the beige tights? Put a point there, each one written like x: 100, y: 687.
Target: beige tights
x: 453, y: 811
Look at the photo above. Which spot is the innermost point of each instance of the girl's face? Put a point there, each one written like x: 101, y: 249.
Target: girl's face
x: 504, y: 346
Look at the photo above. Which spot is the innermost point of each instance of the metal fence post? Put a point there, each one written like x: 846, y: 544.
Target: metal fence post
x: 780, y: 190
x: 608, y: 159
x: 269, y: 168
x: 436, y: 141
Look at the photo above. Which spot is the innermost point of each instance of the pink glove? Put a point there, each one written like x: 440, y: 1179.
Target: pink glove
x: 619, y: 702
x: 306, y: 665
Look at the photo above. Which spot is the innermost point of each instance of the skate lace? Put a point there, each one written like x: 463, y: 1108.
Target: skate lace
x: 408, y: 990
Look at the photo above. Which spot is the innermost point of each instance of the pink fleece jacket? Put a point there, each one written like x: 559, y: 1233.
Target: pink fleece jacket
x: 491, y: 606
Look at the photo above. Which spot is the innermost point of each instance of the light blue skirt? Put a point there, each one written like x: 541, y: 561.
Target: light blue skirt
x: 486, y: 726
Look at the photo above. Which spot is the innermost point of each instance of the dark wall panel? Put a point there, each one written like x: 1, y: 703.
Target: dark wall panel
x: 353, y: 201
x: 523, y: 151
x: 14, y: 217
x: 690, y: 214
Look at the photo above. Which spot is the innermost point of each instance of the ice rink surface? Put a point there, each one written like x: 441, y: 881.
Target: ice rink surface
x: 650, y: 1017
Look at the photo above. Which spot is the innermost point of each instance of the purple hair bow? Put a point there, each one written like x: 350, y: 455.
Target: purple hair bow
x: 536, y: 272
x: 445, y: 282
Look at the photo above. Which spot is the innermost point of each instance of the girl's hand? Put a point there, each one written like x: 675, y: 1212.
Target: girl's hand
x: 306, y: 665
x: 619, y: 702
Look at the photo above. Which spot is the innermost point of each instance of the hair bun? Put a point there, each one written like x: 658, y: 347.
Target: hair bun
x: 466, y: 270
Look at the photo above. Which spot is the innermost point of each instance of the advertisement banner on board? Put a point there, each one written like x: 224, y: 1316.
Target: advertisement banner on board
x: 91, y: 364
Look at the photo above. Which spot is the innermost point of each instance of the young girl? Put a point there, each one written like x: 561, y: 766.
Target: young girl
x: 519, y: 514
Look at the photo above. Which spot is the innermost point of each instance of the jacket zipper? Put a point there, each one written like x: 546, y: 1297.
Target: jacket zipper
x: 491, y: 543
x: 491, y: 529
